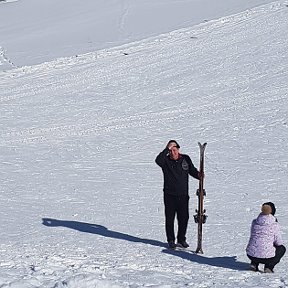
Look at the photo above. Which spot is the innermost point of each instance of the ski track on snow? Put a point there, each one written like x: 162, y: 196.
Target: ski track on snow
x: 130, y: 121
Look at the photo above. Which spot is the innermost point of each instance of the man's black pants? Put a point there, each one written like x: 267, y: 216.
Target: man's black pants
x: 270, y: 262
x: 176, y: 205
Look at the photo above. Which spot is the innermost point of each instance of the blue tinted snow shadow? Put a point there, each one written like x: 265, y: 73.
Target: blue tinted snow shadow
x: 99, y: 230
x: 223, y: 262
x: 229, y: 262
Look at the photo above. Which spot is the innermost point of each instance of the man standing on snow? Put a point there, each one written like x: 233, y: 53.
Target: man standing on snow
x: 176, y: 169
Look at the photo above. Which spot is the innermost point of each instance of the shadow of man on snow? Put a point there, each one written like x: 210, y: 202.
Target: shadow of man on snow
x: 99, y: 230
x: 223, y: 262
x: 229, y: 262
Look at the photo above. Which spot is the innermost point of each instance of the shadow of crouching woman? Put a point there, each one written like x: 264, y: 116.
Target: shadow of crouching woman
x: 99, y: 230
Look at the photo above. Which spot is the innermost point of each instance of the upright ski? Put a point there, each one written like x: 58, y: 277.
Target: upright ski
x: 200, y: 217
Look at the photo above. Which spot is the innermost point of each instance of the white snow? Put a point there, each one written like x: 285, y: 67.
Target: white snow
x: 81, y: 125
x: 34, y: 31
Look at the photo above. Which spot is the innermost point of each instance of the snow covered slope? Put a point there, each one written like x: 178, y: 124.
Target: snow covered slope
x: 33, y: 31
x: 81, y: 196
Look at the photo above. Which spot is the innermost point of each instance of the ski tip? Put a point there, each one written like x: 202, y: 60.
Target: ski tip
x: 202, y: 145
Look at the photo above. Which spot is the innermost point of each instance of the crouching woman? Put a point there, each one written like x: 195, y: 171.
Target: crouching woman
x: 265, y: 244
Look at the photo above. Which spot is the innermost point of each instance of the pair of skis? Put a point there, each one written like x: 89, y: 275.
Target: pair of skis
x: 200, y: 217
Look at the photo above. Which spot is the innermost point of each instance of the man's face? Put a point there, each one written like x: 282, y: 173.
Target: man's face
x: 174, y: 152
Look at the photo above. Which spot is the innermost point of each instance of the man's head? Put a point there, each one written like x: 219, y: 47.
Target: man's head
x: 173, y: 147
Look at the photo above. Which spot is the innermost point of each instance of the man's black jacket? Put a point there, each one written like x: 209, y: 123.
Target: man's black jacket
x: 176, y: 173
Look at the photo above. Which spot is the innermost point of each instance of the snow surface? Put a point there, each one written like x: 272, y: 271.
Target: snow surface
x: 34, y: 31
x: 81, y: 196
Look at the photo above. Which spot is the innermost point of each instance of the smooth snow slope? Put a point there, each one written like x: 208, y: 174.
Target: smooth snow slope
x: 33, y: 31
